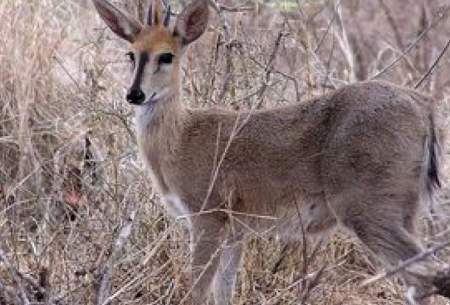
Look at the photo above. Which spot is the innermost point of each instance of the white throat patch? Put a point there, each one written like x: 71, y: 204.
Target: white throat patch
x: 177, y: 208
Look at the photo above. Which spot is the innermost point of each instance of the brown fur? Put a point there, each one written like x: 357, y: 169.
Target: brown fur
x: 355, y: 156
x: 155, y: 39
x: 360, y: 156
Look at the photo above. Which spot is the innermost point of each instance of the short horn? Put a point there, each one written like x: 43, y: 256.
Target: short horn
x: 167, y: 17
x: 149, y: 18
x: 154, y: 13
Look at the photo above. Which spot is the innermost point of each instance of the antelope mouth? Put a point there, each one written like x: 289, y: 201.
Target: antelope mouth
x: 151, y: 100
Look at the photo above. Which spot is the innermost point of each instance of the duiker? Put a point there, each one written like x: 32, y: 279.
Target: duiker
x: 362, y: 157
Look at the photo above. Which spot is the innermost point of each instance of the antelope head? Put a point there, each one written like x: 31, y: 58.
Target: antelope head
x: 156, y: 47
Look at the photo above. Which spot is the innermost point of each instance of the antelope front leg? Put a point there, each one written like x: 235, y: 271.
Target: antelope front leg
x: 207, y: 240
x: 225, y: 278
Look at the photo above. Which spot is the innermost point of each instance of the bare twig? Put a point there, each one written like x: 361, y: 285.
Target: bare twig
x: 392, y: 23
x: 430, y: 70
x: 344, y: 42
x: 104, y: 288
x: 268, y: 69
x: 406, y: 264
x: 228, y: 48
x: 237, y: 9
x: 329, y: 25
x: 228, y: 75
x: 26, y: 287
x: 15, y: 274
x: 275, y: 71
x: 9, y: 295
x: 413, y: 44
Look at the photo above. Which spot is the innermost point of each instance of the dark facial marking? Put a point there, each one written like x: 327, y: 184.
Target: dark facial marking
x: 142, y: 59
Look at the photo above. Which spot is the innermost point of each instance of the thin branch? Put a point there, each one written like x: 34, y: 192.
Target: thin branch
x: 9, y: 294
x: 344, y: 42
x: 25, y: 283
x: 406, y: 264
x: 15, y: 274
x: 224, y: 22
x: 228, y: 48
x: 236, y: 9
x: 413, y: 44
x: 327, y: 30
x: 392, y: 23
x: 430, y: 70
x: 104, y: 289
x: 269, y: 69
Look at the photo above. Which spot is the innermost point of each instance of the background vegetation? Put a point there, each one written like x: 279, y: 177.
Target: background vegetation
x: 79, y: 222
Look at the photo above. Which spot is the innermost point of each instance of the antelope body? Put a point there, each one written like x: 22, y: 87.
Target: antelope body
x: 364, y: 157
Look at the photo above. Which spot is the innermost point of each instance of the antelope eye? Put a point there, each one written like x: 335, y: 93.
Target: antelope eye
x: 130, y: 56
x: 165, y: 58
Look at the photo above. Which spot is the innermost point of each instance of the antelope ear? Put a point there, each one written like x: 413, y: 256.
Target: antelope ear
x: 119, y: 22
x: 192, y: 21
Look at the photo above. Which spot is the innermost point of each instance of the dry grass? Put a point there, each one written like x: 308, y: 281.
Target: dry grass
x: 63, y: 201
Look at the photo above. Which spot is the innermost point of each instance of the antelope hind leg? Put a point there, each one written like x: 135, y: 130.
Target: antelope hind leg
x: 385, y: 235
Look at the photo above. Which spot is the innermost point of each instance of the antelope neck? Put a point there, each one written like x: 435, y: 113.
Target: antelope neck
x: 165, y: 110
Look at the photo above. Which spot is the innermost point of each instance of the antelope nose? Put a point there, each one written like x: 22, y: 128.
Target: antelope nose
x: 135, y: 96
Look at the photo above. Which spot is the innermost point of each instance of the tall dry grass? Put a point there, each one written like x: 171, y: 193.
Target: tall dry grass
x: 70, y: 176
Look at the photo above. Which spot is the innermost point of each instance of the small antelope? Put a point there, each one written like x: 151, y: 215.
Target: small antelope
x: 363, y: 157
